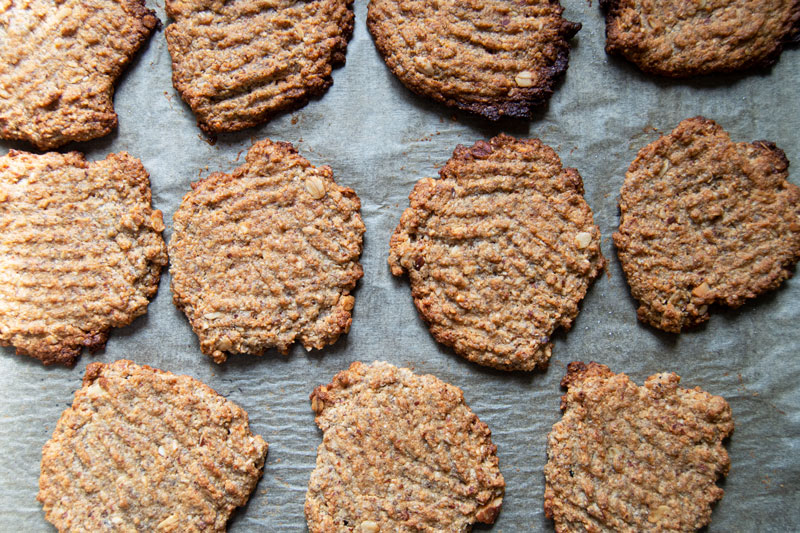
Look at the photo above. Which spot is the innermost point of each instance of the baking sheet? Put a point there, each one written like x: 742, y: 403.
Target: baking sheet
x: 380, y: 139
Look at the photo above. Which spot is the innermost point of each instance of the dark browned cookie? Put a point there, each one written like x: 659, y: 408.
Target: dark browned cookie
x: 145, y: 450
x: 627, y: 459
x: 402, y: 453
x: 58, y: 65
x: 238, y: 63
x: 80, y: 251
x: 495, y: 58
x: 703, y: 221
x: 500, y: 250
x: 678, y: 39
x: 267, y: 255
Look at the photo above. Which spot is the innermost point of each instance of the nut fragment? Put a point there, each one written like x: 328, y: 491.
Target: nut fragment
x: 583, y: 239
x: 369, y: 527
x: 524, y: 79
x: 702, y: 290
x: 658, y: 514
x: 424, y: 65
x: 664, y: 168
x: 315, y: 187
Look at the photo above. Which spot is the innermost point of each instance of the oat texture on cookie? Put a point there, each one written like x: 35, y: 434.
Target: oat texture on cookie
x: 59, y: 62
x: 499, y: 251
x: 80, y: 251
x: 492, y: 58
x: 141, y: 449
x: 400, y: 452
x: 705, y: 221
x: 238, y: 63
x: 678, y: 39
x: 629, y: 459
x: 267, y: 255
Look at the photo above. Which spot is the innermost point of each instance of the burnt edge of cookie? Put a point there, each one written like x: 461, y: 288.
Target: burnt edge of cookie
x: 535, y: 97
x: 791, y: 38
x: 578, y: 371
x: 66, y: 353
x: 494, y: 110
x: 338, y: 59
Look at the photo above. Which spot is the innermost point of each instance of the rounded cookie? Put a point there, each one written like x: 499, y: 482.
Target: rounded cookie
x: 499, y: 251
x: 679, y: 39
x: 238, y: 63
x: 59, y: 62
x: 627, y: 458
x: 703, y: 221
x: 267, y: 255
x: 492, y: 58
x: 80, y: 251
x: 145, y: 450
x: 400, y: 452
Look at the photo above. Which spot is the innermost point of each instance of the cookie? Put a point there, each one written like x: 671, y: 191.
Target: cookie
x: 80, y: 251
x: 400, y: 452
x: 59, y: 62
x: 499, y: 251
x: 238, y: 63
x: 494, y: 59
x: 679, y: 39
x: 145, y: 450
x: 705, y: 221
x: 627, y: 458
x: 267, y: 255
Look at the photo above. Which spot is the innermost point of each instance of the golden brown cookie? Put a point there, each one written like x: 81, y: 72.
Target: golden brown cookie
x: 499, y: 251
x: 145, y: 450
x: 80, y: 251
x: 705, y: 221
x: 267, y: 255
x: 238, y: 63
x: 630, y: 459
x: 678, y: 39
x: 400, y: 452
x: 493, y: 58
x: 59, y: 62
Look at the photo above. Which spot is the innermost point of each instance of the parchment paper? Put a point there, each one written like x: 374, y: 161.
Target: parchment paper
x: 379, y: 138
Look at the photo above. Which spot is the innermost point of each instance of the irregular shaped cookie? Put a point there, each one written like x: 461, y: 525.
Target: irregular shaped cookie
x: 627, y: 458
x: 80, y: 251
x: 267, y: 255
x: 499, y: 251
x: 494, y: 58
x: 400, y: 452
x: 59, y: 62
x: 678, y: 39
x: 703, y: 221
x: 145, y: 450
x: 238, y: 63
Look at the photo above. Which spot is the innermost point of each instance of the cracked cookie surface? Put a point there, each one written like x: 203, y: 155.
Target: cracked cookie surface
x: 59, y: 62
x: 499, y: 251
x: 627, y: 458
x: 679, y: 39
x: 400, y: 452
x: 239, y: 63
x: 141, y: 449
x: 705, y: 221
x: 267, y: 255
x: 80, y: 251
